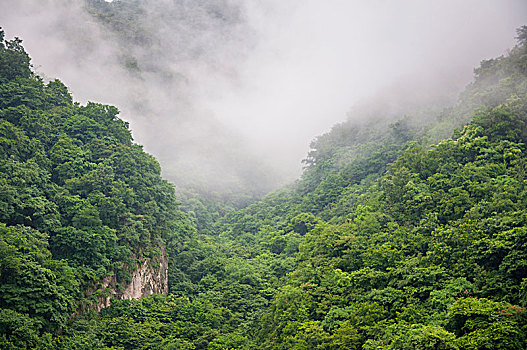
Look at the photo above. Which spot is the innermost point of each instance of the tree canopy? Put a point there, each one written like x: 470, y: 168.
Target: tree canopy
x: 402, y: 233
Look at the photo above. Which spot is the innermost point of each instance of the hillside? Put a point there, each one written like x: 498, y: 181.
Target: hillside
x: 84, y: 213
x: 404, y: 232
x: 384, y: 234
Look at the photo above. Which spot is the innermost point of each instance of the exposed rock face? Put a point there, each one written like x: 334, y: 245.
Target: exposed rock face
x: 149, y: 277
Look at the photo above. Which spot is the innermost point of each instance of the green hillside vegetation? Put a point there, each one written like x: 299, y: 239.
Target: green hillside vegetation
x: 395, y: 237
x: 78, y: 202
x: 384, y: 233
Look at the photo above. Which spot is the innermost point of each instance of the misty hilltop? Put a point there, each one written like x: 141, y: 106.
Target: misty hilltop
x: 233, y: 91
x: 406, y: 227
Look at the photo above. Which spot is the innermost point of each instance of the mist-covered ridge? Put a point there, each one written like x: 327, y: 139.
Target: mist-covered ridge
x: 406, y: 228
x: 233, y: 91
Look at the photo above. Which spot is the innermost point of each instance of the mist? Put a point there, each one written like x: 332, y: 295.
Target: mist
x: 228, y: 94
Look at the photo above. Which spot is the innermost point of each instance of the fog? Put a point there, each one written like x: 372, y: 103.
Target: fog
x: 228, y: 94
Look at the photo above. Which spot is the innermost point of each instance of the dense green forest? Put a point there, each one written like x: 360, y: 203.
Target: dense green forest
x: 79, y: 202
x: 402, y: 233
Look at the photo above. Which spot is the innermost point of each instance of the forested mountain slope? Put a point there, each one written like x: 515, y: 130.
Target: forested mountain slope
x: 386, y: 242
x: 82, y: 208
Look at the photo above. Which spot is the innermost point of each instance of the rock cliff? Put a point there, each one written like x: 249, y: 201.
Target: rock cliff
x: 148, y: 277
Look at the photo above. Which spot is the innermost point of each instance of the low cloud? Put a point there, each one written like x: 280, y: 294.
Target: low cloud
x: 229, y: 93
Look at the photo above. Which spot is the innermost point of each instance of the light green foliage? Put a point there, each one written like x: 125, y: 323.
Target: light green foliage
x: 486, y: 324
x: 385, y: 242
x: 444, y: 224
x: 368, y: 254
x: 159, y: 322
x: 414, y: 337
x: 78, y: 202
